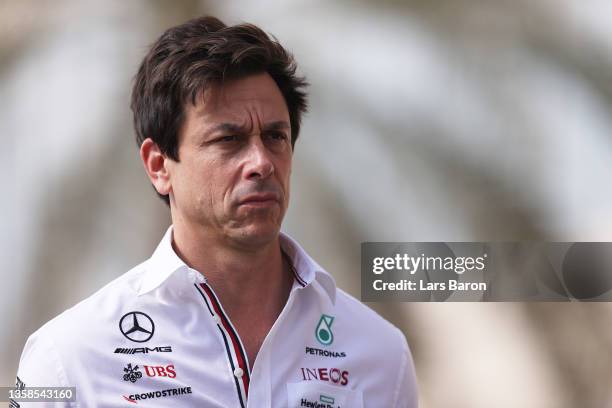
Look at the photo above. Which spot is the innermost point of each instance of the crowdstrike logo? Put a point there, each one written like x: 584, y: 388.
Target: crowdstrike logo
x: 171, y: 392
x: 323, y: 332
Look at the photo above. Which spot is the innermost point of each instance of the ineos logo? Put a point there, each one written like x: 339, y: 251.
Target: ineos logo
x: 137, y: 326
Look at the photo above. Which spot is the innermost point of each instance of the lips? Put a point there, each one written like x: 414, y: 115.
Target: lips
x: 260, y: 199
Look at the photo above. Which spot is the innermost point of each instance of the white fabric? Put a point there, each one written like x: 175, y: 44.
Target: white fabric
x: 364, y: 361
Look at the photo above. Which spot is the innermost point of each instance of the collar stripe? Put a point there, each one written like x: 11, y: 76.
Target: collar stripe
x: 237, y: 347
x: 242, y: 392
x: 297, y: 276
x: 205, y: 301
x: 228, y: 327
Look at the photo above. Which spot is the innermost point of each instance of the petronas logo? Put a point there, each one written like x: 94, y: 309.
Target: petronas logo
x: 323, y: 331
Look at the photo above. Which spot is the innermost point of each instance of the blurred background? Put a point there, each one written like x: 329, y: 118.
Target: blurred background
x: 456, y: 120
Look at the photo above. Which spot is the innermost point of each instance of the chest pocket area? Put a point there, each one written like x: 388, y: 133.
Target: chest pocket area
x: 310, y: 394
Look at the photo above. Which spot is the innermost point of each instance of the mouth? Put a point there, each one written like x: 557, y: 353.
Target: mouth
x: 260, y: 200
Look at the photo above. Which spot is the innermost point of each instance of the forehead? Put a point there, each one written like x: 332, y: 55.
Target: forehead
x: 254, y: 97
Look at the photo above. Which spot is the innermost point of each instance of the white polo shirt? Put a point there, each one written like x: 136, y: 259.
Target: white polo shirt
x: 157, y: 336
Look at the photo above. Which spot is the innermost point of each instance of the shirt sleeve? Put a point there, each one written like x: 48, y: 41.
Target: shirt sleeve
x: 406, y: 393
x: 40, y: 366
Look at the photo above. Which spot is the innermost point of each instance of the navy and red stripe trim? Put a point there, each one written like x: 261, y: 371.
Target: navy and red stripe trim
x: 297, y: 277
x: 233, y: 346
x: 240, y: 353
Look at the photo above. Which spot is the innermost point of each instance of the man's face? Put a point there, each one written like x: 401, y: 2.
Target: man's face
x: 232, y: 177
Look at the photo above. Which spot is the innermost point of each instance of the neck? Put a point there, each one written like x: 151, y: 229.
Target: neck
x: 241, y: 279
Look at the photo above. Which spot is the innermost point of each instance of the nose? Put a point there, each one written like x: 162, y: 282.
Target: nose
x: 258, y: 162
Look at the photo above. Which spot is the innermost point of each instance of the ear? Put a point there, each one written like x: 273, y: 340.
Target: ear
x: 156, y: 166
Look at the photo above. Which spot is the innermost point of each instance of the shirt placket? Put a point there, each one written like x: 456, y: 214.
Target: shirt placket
x: 261, y: 385
x: 236, y: 353
x: 234, y: 348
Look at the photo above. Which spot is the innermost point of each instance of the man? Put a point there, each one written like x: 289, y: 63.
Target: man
x: 228, y: 311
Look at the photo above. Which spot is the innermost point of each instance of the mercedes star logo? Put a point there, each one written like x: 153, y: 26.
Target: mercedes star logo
x: 137, y: 326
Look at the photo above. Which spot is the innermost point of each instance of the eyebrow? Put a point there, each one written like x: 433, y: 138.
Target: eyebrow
x: 278, y: 125
x: 234, y: 128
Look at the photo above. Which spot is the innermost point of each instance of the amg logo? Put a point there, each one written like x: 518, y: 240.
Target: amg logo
x: 144, y: 350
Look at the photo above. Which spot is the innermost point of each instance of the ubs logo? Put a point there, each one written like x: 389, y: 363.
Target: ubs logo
x: 133, y: 374
x: 160, y: 371
x: 137, y: 327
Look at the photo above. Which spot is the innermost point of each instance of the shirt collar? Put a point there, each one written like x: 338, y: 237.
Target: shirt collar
x: 162, y: 264
x: 307, y: 268
x: 165, y: 262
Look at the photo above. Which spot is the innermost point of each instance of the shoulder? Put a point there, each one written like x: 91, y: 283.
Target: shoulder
x: 98, y: 306
x: 77, y: 329
x: 367, y: 324
x: 381, y: 349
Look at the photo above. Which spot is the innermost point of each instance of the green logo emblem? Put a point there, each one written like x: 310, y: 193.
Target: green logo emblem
x: 326, y: 400
x: 323, y: 331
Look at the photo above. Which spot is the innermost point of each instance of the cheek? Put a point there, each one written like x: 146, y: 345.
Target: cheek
x: 218, y: 181
x: 287, y: 181
x: 193, y: 185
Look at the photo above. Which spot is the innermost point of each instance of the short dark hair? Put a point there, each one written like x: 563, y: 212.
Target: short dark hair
x: 191, y: 57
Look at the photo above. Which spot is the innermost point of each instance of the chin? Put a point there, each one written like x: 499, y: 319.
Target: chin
x: 256, y: 235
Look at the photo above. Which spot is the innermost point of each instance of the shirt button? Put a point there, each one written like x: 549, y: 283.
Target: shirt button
x: 238, y: 372
x: 216, y: 319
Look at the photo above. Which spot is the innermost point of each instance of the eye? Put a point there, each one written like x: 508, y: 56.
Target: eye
x: 227, y: 138
x: 277, y: 136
